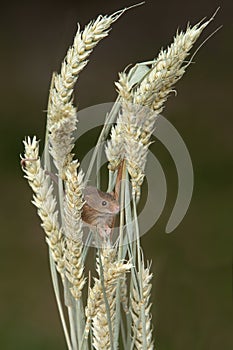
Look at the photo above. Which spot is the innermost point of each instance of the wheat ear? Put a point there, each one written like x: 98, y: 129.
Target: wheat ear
x: 73, y: 203
x: 62, y: 120
x: 168, y: 68
x: 44, y: 200
x: 140, y: 308
x: 96, y: 310
x: 130, y: 138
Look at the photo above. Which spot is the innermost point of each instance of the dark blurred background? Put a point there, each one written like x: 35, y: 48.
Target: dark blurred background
x: 192, y: 284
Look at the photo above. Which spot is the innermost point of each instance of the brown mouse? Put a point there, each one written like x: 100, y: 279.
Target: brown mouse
x: 99, y: 210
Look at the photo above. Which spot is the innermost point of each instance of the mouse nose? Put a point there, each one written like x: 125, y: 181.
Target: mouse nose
x: 117, y: 209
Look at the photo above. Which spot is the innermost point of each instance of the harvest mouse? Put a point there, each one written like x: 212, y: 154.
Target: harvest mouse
x: 99, y: 210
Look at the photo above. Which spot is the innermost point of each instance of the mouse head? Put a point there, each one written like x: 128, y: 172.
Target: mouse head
x: 101, y: 201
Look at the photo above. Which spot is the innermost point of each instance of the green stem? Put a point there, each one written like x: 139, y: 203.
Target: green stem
x: 123, y: 335
x: 80, y: 322
x: 122, y: 213
x: 72, y: 328
x: 104, y: 132
x: 58, y: 300
x: 120, y: 256
x: 143, y: 317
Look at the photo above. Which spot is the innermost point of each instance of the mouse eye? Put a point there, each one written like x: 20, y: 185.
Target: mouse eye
x: 104, y: 203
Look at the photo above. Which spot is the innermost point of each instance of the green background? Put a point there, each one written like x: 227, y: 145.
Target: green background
x: 192, y: 284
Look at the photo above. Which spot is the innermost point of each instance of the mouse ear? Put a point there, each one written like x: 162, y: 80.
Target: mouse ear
x: 89, y: 190
x: 92, y: 197
x: 112, y: 194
